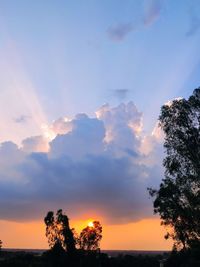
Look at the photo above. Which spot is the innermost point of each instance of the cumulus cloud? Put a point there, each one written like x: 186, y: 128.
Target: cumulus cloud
x: 92, y: 166
x: 123, y: 123
x: 152, y: 147
x: 35, y: 144
x: 85, y: 138
x: 61, y: 126
x: 119, y: 32
x: 10, y: 158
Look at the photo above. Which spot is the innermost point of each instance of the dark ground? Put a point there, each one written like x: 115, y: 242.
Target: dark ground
x: 59, y: 259
x: 189, y: 258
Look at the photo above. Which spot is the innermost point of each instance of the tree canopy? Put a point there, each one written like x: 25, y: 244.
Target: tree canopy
x: 90, y: 237
x: 58, y: 231
x: 60, y: 236
x: 178, y: 198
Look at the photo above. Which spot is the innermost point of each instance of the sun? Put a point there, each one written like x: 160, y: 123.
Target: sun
x: 90, y: 224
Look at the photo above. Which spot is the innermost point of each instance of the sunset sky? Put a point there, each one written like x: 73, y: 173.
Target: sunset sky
x: 81, y: 86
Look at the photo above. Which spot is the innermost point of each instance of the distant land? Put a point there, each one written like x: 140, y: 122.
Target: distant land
x: 111, y: 253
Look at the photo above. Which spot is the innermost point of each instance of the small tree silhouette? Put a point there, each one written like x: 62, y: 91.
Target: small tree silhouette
x: 58, y: 231
x: 90, y: 237
x: 1, y: 243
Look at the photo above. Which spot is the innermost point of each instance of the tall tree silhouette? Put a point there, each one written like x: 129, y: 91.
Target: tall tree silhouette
x: 178, y: 198
x: 58, y: 231
x: 90, y: 237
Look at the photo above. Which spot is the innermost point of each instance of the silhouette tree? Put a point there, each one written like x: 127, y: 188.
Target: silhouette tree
x: 90, y: 237
x: 178, y: 198
x: 1, y: 243
x: 58, y: 231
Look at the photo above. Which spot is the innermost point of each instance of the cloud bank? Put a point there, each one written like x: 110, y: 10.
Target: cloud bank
x: 99, y: 166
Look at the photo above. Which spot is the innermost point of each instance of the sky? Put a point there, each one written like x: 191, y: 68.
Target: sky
x: 81, y: 86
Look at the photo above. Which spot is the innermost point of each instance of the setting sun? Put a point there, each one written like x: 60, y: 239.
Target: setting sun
x: 90, y: 224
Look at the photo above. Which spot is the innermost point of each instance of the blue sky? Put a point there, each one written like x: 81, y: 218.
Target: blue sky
x: 78, y: 55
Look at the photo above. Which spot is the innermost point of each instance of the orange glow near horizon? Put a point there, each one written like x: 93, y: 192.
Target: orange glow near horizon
x: 143, y: 235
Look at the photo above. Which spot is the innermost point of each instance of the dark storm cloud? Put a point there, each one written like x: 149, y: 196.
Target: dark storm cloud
x: 82, y: 173
x: 110, y: 187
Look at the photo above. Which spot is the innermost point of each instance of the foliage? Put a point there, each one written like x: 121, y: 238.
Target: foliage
x: 58, y: 231
x: 178, y: 198
x: 90, y: 237
x: 185, y: 258
x: 60, y: 236
x: 1, y: 243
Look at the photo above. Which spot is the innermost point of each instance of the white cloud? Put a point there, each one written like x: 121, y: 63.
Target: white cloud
x: 86, y: 138
x: 35, y: 144
x: 123, y: 123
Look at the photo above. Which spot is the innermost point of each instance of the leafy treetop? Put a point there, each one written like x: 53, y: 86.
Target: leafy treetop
x: 178, y: 198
